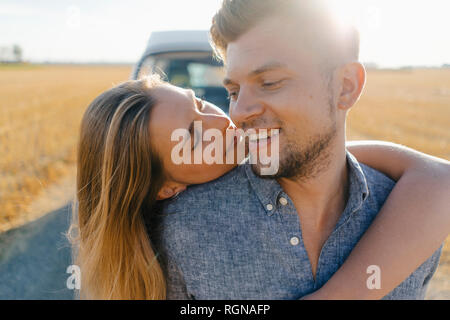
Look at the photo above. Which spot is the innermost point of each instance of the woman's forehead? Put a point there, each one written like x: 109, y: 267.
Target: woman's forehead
x: 170, y: 92
x: 171, y: 102
x: 173, y: 110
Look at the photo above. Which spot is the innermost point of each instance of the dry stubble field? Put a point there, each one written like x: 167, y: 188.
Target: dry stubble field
x: 40, y: 113
x: 41, y: 108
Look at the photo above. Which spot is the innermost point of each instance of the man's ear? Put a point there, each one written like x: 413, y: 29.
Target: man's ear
x: 169, y: 190
x: 353, y: 80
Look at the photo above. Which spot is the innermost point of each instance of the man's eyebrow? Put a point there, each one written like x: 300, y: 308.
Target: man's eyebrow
x: 265, y: 68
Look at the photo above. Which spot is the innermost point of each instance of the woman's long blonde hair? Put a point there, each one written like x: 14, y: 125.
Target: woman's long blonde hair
x: 118, y: 177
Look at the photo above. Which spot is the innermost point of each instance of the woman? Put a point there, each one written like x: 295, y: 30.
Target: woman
x: 125, y: 167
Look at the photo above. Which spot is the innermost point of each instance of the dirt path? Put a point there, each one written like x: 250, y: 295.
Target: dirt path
x: 34, y: 259
x: 50, y: 198
x: 34, y: 253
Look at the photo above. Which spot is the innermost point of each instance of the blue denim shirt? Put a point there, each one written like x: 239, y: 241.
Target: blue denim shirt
x: 221, y: 240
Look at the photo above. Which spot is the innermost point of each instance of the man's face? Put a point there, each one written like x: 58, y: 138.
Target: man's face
x: 276, y: 81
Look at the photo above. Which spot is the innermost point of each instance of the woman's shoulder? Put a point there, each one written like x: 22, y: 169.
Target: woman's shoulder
x: 207, y: 191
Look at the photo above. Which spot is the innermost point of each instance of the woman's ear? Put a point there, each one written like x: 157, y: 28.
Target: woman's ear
x: 353, y: 80
x: 169, y: 190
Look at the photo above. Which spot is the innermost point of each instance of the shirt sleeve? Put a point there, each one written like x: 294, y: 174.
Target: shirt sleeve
x: 434, y: 263
x: 176, y: 286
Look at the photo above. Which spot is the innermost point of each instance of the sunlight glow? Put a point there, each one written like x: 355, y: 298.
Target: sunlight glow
x: 393, y: 32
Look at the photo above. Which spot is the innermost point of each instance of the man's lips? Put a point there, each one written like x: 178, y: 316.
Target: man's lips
x: 257, y: 138
x: 263, y: 138
x: 263, y: 134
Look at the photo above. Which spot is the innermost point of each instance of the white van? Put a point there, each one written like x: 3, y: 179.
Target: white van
x: 185, y: 59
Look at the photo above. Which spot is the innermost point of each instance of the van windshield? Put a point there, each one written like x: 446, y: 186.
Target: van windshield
x: 197, y: 71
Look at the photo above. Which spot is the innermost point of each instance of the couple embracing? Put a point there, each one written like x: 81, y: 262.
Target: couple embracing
x: 150, y: 227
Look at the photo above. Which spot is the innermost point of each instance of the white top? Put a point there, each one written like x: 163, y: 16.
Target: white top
x: 176, y: 41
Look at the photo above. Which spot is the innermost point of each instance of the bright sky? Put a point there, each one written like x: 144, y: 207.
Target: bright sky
x: 393, y: 32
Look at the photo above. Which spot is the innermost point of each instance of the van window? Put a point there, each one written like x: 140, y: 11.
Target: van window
x: 199, y: 72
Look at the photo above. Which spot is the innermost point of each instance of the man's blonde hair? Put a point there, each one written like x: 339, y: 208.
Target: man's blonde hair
x: 325, y: 33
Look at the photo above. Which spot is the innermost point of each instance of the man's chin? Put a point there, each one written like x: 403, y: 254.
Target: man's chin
x: 265, y: 172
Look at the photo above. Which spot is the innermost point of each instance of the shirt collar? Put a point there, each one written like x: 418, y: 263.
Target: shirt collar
x: 358, y: 188
x: 268, y: 190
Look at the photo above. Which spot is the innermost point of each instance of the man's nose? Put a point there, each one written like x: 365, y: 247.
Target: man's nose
x: 245, y: 108
x: 220, y: 122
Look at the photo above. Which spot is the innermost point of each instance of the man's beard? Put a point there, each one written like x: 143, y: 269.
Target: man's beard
x: 306, y: 162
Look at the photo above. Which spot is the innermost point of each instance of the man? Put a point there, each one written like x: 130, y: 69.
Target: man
x: 290, y: 67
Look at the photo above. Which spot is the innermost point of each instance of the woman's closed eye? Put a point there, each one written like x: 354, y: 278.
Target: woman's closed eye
x: 193, y: 136
x: 194, y: 142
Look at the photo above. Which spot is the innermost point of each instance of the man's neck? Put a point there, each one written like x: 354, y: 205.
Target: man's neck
x: 322, y: 198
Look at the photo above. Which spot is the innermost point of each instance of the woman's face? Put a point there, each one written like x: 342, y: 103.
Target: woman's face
x: 178, y: 108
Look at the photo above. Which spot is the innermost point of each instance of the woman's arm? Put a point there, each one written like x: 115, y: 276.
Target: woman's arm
x: 409, y: 228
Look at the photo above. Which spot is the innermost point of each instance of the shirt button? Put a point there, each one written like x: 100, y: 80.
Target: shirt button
x: 269, y: 207
x: 295, y: 241
x: 283, y: 201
